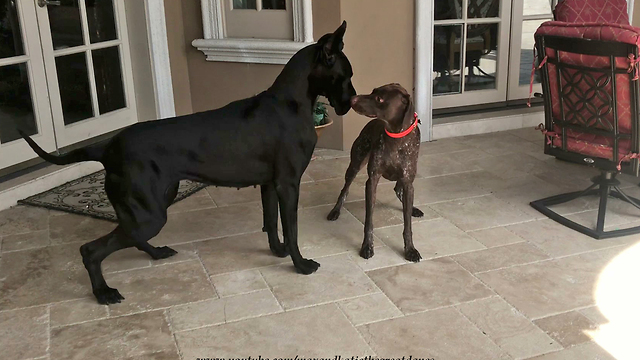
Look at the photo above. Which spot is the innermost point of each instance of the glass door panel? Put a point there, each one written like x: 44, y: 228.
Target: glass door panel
x: 471, y: 42
x: 88, y: 68
x: 23, y: 89
x: 527, y: 17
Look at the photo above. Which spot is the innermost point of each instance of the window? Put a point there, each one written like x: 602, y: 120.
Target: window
x: 494, y: 40
x: 255, y: 31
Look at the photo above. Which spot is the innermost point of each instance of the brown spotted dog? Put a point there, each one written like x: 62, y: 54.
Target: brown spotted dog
x: 389, y: 144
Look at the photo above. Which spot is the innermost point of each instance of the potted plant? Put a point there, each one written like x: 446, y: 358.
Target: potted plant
x: 321, y: 118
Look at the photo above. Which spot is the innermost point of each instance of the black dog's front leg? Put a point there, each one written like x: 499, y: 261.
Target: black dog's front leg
x: 270, y: 216
x: 288, y: 193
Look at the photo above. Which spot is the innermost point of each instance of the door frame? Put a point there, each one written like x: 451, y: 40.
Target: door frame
x: 160, y: 61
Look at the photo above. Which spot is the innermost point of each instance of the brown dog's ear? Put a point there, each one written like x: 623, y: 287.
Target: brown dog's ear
x: 409, y: 110
x: 332, y: 44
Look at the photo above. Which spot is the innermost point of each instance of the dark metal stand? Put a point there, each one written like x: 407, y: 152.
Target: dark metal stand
x: 607, y: 185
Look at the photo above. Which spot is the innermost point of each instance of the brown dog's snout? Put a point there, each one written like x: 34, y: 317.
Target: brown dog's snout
x: 354, y: 100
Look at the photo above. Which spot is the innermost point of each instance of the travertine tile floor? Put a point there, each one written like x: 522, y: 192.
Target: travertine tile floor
x: 497, y: 280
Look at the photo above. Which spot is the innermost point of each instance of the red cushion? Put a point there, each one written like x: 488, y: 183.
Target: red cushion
x: 592, y: 145
x: 598, y: 11
x: 593, y: 86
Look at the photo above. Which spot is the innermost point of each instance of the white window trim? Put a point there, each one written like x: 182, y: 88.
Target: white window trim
x: 263, y: 51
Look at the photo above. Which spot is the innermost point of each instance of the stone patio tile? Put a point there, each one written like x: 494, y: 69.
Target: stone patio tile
x: 387, y: 214
x: 326, y: 192
x: 140, y: 336
x: 220, y: 311
x: 437, y: 189
x: 23, y: 219
x: 225, y: 196
x: 24, y: 333
x: 500, y: 257
x: 444, y: 164
x: 480, y: 213
x: 569, y: 329
x: 238, y: 282
x: 337, y: 278
x: 514, y: 333
x: 384, y: 257
x: 41, y: 276
x: 369, y: 308
x: 209, y: 223
x: 550, y: 287
x: 428, y: 285
x: 497, y: 236
x: 438, y: 334
x: 72, y: 228
x: 588, y: 351
x: 311, y: 332
x: 558, y: 240
x: 237, y: 253
x: 197, y: 201
x: 25, y: 241
x: 328, y: 169
x: 318, y: 236
x: 435, y: 238
x: 77, y: 311
x: 160, y: 287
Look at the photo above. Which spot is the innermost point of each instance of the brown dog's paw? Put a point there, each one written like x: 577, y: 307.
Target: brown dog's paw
x: 412, y: 255
x: 307, y: 266
x: 417, y: 213
x: 333, y: 215
x: 366, y: 252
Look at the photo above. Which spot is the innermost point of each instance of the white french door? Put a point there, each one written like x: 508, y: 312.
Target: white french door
x: 65, y: 73
x: 494, y: 40
x: 470, y: 55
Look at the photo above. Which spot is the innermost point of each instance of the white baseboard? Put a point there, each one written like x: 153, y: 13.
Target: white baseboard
x: 43, y: 180
x: 461, y: 127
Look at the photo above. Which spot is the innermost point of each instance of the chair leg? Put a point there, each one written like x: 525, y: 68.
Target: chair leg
x: 605, y: 182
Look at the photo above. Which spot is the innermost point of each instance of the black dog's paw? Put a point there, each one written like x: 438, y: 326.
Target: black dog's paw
x: 417, y: 213
x: 307, y: 266
x: 279, y: 250
x: 366, y: 251
x: 163, y: 252
x: 412, y: 255
x: 333, y: 215
x: 107, y: 295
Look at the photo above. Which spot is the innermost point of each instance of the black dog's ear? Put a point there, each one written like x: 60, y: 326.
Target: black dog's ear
x: 332, y: 44
x: 409, y: 110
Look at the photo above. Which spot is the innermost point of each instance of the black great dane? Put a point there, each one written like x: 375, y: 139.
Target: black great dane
x: 264, y: 140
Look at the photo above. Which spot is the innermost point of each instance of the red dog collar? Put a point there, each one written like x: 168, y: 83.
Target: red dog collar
x: 406, y: 132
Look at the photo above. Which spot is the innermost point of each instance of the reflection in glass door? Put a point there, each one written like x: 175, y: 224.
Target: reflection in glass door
x: 528, y: 15
x: 470, y: 55
x: 87, y: 65
x: 23, y: 89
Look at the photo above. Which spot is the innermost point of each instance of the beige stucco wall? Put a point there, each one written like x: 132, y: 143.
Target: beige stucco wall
x: 379, y: 43
x: 140, y: 59
x: 636, y: 13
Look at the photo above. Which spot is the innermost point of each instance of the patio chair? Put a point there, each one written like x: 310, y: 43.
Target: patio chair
x: 590, y: 89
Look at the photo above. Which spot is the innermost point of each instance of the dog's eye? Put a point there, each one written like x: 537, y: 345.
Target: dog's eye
x: 379, y: 99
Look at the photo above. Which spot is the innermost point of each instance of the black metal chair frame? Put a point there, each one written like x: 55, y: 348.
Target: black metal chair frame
x: 606, y: 184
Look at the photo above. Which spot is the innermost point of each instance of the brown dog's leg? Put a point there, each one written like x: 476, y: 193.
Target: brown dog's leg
x: 370, y: 199
x: 357, y: 161
x: 415, y: 212
x: 410, y: 252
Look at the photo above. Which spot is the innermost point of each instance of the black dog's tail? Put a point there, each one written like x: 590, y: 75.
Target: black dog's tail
x: 89, y: 153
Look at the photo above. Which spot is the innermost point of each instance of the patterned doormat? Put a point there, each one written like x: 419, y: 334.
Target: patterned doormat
x: 86, y: 196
